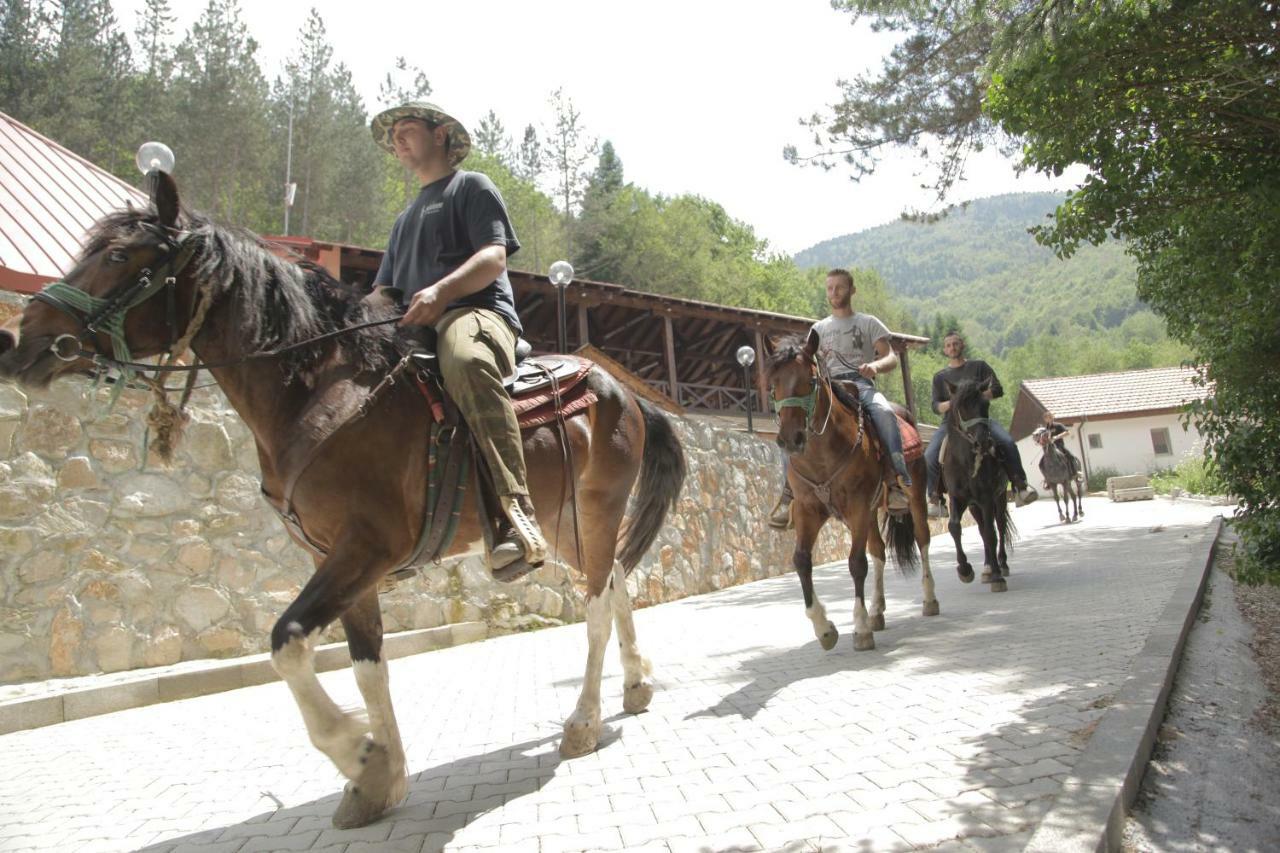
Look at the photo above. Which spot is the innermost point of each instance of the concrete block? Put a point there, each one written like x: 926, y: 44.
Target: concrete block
x: 20, y: 714
x: 185, y: 685
x: 79, y: 704
x: 1141, y: 493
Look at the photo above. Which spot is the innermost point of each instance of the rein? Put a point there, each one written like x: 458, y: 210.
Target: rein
x: 808, y: 402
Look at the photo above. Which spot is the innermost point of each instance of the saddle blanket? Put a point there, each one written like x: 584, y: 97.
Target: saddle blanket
x: 912, y: 448
x: 533, y: 391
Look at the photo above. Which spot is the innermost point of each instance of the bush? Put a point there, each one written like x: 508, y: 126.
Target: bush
x: 1195, y: 475
x: 1098, y: 478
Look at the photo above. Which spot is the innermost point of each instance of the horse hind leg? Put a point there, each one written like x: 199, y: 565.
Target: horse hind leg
x: 637, y: 689
x: 602, y: 513
x: 877, y: 548
x: 384, y: 781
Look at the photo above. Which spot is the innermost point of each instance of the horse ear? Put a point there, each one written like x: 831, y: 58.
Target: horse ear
x: 810, y: 344
x: 164, y: 194
x: 985, y: 386
x: 951, y: 389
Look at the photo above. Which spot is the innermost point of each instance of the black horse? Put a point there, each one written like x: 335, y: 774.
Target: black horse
x: 975, y: 480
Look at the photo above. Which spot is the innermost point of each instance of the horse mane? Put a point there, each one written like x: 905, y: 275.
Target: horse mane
x: 275, y: 303
x: 784, y: 351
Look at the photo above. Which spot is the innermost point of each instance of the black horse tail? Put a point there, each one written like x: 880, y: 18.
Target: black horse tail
x: 901, y: 540
x: 662, y: 472
x: 1005, y: 527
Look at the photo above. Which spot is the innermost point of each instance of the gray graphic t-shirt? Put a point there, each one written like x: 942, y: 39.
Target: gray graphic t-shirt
x: 847, y: 343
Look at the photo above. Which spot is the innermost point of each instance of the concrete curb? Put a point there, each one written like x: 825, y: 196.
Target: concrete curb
x: 1089, y: 813
x: 166, y: 685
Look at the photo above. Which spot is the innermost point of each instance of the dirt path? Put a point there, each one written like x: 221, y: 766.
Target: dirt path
x: 1213, y: 782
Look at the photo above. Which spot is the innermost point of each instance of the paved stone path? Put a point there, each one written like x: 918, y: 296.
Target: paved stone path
x: 956, y: 731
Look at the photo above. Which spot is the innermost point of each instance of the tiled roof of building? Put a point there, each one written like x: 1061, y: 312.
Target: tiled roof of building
x: 1135, y: 391
x: 49, y: 198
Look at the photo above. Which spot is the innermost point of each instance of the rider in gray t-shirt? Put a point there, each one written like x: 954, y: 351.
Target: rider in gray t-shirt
x: 855, y: 347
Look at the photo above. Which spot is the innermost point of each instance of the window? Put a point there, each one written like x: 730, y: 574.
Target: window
x: 1160, y: 442
x: 1095, y: 441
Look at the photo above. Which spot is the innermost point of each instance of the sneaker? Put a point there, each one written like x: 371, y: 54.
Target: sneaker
x: 1024, y: 496
x: 937, y: 509
x: 780, y: 515
x: 520, y: 537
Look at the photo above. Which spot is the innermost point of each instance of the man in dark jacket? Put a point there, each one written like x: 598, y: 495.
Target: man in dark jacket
x: 960, y: 369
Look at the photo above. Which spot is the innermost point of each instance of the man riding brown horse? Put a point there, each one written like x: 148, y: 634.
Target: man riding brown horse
x: 447, y: 255
x: 856, y: 349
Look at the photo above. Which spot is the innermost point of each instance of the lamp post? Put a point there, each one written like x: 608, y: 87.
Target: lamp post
x: 746, y: 357
x: 153, y: 157
x: 561, y: 275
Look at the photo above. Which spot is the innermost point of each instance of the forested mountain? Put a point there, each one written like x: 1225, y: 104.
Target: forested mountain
x: 979, y: 264
x: 1028, y: 312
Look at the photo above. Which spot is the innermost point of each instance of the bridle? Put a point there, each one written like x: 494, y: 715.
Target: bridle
x: 964, y: 425
x: 809, y: 402
x: 106, y: 315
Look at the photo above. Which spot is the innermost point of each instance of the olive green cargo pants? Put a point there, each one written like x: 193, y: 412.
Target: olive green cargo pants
x: 477, y: 350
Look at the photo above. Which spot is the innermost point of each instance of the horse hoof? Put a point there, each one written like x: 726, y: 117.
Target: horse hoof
x: 999, y: 585
x: 965, y: 571
x: 986, y: 576
x: 877, y: 622
x: 931, y: 608
x: 1004, y: 570
x: 829, y: 637
x: 864, y: 642
x: 580, y: 738
x: 374, y: 791
x: 637, y: 697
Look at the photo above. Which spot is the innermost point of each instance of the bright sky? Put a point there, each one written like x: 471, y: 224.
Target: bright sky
x: 697, y: 96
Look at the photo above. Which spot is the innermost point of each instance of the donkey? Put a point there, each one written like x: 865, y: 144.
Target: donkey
x: 834, y: 472
x: 975, y: 480
x: 303, y: 363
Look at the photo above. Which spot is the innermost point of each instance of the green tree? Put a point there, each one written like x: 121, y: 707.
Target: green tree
x: 25, y: 51
x: 568, y: 151
x: 222, y: 111
x: 491, y: 138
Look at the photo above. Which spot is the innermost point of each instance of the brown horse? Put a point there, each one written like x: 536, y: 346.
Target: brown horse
x: 834, y: 472
x: 361, y: 501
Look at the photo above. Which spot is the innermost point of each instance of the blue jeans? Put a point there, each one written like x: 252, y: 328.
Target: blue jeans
x: 886, y: 422
x: 1007, y: 449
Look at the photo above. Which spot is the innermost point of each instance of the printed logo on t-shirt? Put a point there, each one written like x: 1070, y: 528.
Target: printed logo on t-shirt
x: 432, y: 208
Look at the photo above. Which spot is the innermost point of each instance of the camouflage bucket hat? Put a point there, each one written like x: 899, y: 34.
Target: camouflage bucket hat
x: 459, y: 139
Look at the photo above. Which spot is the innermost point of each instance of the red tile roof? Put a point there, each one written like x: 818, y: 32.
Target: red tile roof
x: 1130, y: 391
x: 49, y: 198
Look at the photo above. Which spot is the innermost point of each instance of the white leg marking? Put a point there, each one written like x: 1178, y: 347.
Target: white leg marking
x: 877, y: 598
x: 926, y: 581
x: 634, y: 666
x: 339, y: 734
x: 582, y: 729
x: 375, y: 686
x: 818, y: 616
x: 861, y: 622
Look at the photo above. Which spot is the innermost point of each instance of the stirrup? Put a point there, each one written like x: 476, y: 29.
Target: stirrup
x: 527, y: 530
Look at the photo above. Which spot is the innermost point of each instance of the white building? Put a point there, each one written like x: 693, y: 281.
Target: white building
x: 1131, y: 422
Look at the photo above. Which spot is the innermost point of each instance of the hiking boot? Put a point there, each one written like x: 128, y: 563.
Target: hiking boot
x: 899, y: 499
x: 780, y: 515
x: 1025, y: 495
x: 519, y: 537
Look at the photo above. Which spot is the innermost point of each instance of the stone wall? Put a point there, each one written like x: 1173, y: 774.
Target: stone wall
x: 108, y: 564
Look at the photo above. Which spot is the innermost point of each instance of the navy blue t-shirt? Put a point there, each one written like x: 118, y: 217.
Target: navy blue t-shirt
x: 425, y: 246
